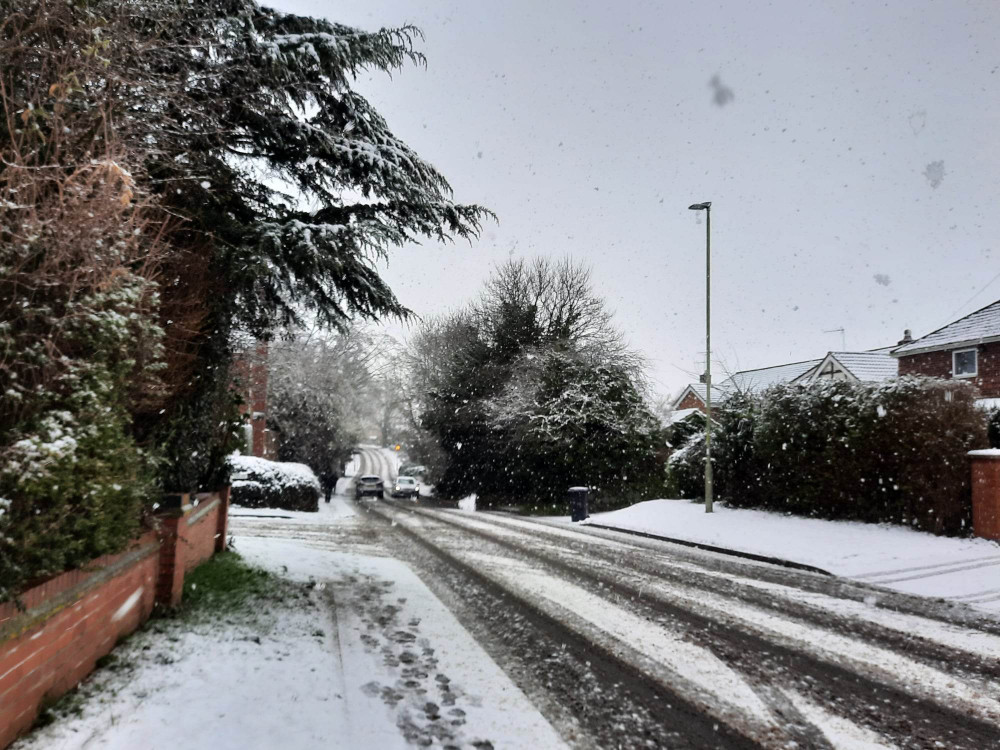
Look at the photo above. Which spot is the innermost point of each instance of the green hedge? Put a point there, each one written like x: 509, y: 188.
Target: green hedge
x: 891, y: 452
x: 259, y: 483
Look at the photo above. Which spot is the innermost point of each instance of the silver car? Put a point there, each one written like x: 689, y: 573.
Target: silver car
x: 369, y: 485
x: 405, y: 487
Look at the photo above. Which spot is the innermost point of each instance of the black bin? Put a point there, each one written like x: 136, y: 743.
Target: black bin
x: 578, y: 503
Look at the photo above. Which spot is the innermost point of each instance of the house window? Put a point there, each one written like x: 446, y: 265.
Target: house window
x: 963, y: 363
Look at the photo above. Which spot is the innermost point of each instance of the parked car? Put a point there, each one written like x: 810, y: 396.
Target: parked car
x: 369, y: 485
x: 405, y: 487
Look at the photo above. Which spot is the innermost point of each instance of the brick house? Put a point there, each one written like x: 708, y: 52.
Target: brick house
x: 968, y: 348
x: 875, y: 365
x: 250, y: 371
x: 693, y: 397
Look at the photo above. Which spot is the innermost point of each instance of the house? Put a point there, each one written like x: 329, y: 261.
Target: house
x: 250, y: 370
x: 968, y: 348
x: 875, y: 365
x: 693, y: 397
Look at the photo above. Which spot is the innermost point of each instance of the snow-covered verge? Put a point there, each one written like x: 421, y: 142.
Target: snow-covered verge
x: 915, y: 562
x: 264, y: 678
x: 259, y: 483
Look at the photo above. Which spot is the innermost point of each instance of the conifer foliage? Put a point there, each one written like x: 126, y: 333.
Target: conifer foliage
x: 175, y: 173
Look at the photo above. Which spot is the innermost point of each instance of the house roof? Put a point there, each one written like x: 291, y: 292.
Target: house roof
x: 757, y: 380
x: 974, y: 328
x: 868, y: 366
x: 699, y: 390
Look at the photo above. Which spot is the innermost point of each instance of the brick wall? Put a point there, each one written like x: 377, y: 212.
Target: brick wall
x: 690, y: 401
x: 986, y: 494
x: 70, y: 621
x: 939, y: 364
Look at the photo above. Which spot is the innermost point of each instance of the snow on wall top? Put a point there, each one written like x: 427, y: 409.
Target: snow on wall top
x: 978, y: 326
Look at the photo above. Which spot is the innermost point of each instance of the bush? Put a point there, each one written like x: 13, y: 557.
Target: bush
x: 686, y: 469
x: 993, y: 428
x: 272, y: 484
x: 870, y: 452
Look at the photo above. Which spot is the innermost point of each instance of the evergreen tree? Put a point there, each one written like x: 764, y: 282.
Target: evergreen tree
x: 283, y: 185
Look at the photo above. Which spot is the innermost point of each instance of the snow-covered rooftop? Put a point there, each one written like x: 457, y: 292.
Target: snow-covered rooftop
x: 982, y: 325
x: 751, y: 381
x: 681, y: 414
x: 869, y: 366
x: 700, y: 392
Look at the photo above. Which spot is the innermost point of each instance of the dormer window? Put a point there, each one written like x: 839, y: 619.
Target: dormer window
x: 964, y: 364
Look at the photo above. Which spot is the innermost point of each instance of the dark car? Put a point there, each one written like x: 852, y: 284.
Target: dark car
x: 369, y: 485
x: 405, y: 487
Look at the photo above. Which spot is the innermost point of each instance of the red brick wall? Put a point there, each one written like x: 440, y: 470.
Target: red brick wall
x: 70, y: 622
x: 938, y: 364
x: 199, y: 536
x: 690, y: 401
x: 986, y: 496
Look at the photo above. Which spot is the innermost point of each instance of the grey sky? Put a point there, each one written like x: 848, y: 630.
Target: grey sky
x: 851, y: 153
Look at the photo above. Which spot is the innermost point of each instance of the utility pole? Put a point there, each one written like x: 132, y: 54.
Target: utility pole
x: 707, y: 208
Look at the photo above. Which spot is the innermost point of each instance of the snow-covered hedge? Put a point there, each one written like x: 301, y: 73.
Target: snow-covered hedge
x: 259, y: 483
x: 876, y: 452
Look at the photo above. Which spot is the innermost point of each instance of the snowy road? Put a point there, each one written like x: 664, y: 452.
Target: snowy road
x: 624, y: 642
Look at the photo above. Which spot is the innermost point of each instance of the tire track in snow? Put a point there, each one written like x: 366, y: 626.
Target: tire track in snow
x: 818, y: 675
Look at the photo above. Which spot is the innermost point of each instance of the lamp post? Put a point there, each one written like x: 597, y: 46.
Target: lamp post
x: 707, y: 208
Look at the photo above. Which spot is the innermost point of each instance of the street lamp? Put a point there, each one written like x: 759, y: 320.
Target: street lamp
x: 707, y: 208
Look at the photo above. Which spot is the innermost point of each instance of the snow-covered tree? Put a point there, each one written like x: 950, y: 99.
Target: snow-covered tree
x: 532, y: 389
x: 284, y: 186
x: 320, y: 389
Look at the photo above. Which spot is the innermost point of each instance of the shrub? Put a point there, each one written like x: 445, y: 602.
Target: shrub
x: 273, y: 484
x: 993, y: 428
x: 871, y: 452
x: 686, y: 469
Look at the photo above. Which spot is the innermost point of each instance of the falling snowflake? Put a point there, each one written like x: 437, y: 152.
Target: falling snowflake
x: 934, y: 172
x: 721, y: 94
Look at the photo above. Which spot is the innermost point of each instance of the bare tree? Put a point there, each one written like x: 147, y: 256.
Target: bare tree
x: 561, y: 300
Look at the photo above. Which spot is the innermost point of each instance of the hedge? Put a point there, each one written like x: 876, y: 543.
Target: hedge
x: 259, y: 483
x: 876, y: 452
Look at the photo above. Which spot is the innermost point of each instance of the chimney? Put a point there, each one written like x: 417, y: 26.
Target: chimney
x: 907, y: 338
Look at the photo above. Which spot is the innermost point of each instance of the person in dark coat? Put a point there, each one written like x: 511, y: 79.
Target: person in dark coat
x: 328, y: 481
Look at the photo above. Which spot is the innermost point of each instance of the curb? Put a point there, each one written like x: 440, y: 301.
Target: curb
x: 720, y: 550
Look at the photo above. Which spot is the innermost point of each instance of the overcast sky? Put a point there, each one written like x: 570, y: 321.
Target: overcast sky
x: 851, y: 152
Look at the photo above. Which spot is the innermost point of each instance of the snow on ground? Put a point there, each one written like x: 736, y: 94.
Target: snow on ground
x: 410, y: 669
x: 966, y: 570
x: 372, y: 659
x: 273, y: 680
x: 468, y: 504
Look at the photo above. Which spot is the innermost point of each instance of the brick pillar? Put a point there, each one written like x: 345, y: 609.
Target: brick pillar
x: 222, y: 519
x: 172, y: 519
x: 986, y: 493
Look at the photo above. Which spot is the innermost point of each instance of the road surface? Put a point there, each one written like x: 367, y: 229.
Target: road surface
x: 626, y: 642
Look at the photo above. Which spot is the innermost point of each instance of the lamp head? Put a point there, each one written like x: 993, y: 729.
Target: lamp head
x: 707, y: 205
